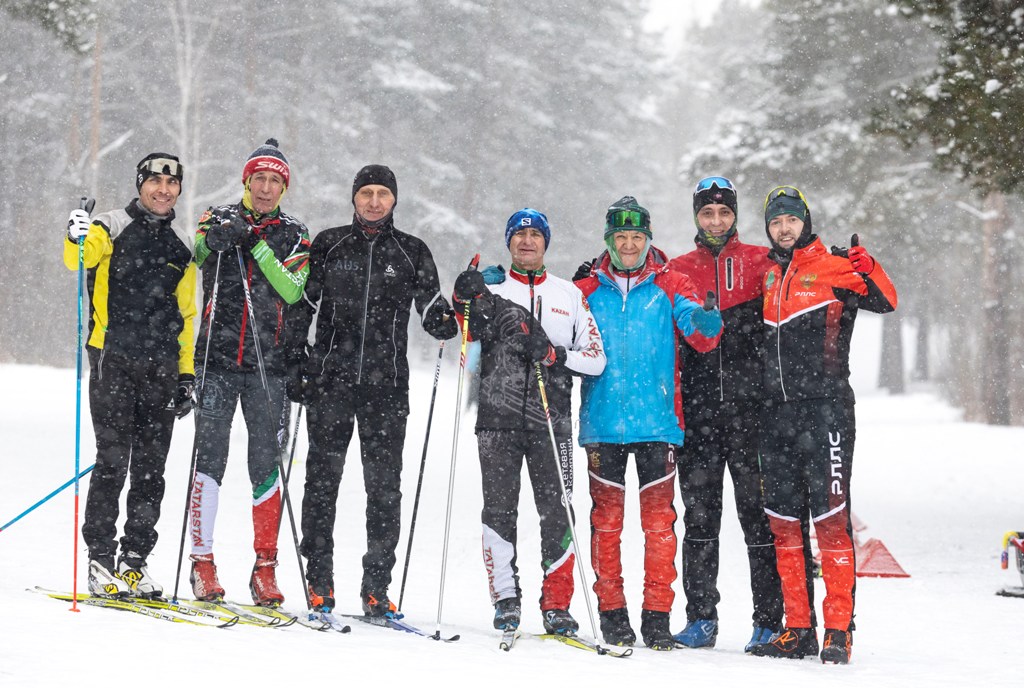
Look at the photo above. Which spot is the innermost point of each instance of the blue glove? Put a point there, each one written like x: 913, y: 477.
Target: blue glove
x: 493, y: 274
x: 708, y: 322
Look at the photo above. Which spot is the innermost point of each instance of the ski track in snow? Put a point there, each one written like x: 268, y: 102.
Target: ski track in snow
x: 939, y: 492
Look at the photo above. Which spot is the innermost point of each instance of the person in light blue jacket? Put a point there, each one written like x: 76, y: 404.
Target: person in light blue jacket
x: 635, y: 407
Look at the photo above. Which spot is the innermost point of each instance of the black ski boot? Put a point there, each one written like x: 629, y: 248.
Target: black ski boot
x: 795, y: 643
x: 560, y: 622
x: 654, y: 628
x: 836, y: 647
x: 616, y: 629
x: 507, y: 614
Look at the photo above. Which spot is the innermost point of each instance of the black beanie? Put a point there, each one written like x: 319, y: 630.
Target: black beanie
x: 375, y: 174
x: 158, y: 163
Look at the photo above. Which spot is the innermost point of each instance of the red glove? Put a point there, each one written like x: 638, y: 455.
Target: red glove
x: 859, y: 258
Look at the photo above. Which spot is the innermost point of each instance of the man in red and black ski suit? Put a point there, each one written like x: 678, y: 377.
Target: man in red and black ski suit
x: 722, y: 405
x: 808, y: 429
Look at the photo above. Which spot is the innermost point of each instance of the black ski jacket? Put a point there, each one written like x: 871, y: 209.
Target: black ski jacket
x: 361, y: 286
x: 267, y: 272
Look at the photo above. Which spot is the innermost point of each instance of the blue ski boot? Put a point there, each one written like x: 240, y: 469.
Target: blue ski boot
x: 699, y: 633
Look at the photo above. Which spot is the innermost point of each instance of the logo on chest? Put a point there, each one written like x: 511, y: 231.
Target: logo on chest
x: 389, y: 271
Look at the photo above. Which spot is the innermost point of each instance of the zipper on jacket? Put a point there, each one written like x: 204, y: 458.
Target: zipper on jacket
x: 784, y: 287
x: 533, y: 321
x: 394, y: 347
x: 366, y: 307
x: 721, y: 357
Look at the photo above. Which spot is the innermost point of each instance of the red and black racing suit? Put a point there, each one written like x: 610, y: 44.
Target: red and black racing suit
x: 808, y: 428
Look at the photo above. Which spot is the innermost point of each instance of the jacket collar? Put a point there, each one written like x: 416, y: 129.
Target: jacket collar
x: 521, y: 276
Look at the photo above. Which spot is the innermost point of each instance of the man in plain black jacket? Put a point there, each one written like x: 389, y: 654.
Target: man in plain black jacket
x: 363, y: 279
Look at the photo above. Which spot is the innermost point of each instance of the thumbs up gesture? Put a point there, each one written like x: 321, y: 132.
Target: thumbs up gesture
x: 860, y: 260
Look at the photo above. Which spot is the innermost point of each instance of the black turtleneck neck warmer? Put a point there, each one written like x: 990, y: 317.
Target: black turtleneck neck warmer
x: 146, y: 215
x: 370, y: 229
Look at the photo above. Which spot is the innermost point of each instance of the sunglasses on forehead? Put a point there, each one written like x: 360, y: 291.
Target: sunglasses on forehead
x: 628, y: 219
x: 162, y: 166
x: 709, y: 182
x: 787, y: 192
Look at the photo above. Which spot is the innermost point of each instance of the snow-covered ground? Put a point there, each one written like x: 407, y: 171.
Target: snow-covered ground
x: 939, y: 492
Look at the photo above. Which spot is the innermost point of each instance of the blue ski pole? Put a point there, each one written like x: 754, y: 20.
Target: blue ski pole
x: 85, y: 204
x: 45, y: 499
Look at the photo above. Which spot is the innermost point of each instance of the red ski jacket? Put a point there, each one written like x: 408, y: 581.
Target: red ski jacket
x: 809, y: 313
x: 734, y: 370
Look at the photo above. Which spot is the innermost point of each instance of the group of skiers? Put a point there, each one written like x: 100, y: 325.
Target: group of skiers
x: 732, y: 355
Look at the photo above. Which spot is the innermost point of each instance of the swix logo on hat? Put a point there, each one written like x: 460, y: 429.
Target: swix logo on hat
x: 267, y: 157
x: 266, y: 164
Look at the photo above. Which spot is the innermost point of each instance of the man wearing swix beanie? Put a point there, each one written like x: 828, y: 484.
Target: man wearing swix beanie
x: 365, y: 275
x: 255, y: 241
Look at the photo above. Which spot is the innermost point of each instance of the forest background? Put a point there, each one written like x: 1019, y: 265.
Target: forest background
x: 902, y: 121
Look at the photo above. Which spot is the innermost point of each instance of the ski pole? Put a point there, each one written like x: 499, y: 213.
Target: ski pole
x: 45, y: 499
x: 270, y: 417
x: 419, y: 483
x: 455, y: 451
x: 561, y: 481
x: 295, y: 441
x: 195, y: 435
x: 86, y: 204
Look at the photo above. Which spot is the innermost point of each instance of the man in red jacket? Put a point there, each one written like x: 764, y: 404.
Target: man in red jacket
x: 722, y: 406
x: 811, y: 301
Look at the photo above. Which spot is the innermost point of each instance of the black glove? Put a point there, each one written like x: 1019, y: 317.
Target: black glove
x: 298, y: 386
x: 534, y: 347
x: 439, y: 320
x: 230, y: 229
x: 250, y: 239
x: 583, y: 271
x: 469, y: 285
x: 183, y: 400
x: 711, y: 301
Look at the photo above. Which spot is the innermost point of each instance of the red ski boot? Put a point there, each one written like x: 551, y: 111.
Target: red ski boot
x: 263, y: 583
x: 205, y: 585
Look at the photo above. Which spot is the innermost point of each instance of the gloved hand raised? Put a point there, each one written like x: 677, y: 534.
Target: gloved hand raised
x: 78, y: 224
x: 859, y: 258
x: 183, y: 397
x: 223, y: 235
x: 583, y: 271
x: 493, y: 274
x: 708, y: 320
x: 469, y: 285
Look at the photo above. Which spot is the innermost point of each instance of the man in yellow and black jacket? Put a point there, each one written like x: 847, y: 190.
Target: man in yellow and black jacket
x: 142, y: 287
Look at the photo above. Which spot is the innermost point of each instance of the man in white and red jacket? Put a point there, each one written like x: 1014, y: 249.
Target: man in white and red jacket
x: 529, y: 318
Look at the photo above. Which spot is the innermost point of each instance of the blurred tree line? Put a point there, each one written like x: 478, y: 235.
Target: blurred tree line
x: 900, y: 119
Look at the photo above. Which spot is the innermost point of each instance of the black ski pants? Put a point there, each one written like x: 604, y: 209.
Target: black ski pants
x: 132, y: 407
x: 722, y: 435
x: 501, y: 463
x: 335, y: 408
x: 265, y: 425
